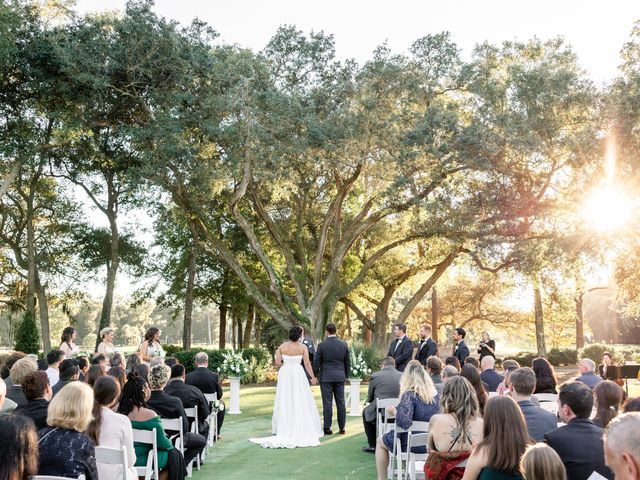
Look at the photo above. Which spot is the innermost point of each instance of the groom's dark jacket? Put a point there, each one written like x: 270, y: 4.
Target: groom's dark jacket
x: 332, y: 360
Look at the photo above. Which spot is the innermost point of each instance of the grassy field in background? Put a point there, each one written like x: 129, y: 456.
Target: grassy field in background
x: 339, y: 456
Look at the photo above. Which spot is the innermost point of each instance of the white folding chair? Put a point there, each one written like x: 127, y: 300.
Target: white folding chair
x: 192, y: 413
x: 397, y: 458
x: 212, y: 420
x: 175, y: 424
x: 151, y: 470
x: 53, y: 477
x: 381, y: 414
x: 493, y: 394
x: 113, y: 456
x: 414, y: 468
x: 550, y: 407
x: 546, y: 397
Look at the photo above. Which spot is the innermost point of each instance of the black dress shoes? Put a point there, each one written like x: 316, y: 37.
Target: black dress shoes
x: 342, y: 432
x: 328, y: 432
x: 369, y: 449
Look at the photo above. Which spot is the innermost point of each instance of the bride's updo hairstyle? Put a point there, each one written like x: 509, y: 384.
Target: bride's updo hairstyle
x: 295, y: 333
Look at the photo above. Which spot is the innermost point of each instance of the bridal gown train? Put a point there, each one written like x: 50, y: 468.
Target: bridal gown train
x: 296, y: 421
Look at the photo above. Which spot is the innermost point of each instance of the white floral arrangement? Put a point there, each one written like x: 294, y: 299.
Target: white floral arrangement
x: 155, y: 352
x: 359, y: 367
x: 217, y: 406
x: 233, y: 365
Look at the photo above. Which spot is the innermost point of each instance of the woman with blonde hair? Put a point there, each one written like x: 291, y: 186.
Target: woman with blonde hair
x: 418, y: 402
x: 455, y: 431
x: 541, y: 462
x: 64, y: 449
x: 106, y: 346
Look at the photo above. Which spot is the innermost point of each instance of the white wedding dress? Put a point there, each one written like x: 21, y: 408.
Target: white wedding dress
x: 296, y: 421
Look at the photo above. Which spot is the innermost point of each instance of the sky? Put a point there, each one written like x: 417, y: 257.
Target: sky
x: 596, y: 30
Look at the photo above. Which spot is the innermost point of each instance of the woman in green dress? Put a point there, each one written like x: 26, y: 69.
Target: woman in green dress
x: 505, y: 438
x: 133, y: 404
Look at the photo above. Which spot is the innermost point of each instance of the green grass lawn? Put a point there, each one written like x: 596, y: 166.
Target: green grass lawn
x: 339, y: 456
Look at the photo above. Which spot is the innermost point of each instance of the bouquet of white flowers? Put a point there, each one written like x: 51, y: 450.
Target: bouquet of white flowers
x: 217, y: 406
x: 359, y: 367
x: 233, y: 365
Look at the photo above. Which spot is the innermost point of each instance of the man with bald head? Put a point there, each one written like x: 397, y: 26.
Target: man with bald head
x: 622, y: 446
x: 587, y: 369
x: 489, y: 375
x: 207, y: 382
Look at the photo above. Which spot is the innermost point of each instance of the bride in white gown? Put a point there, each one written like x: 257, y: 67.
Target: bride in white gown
x: 296, y: 421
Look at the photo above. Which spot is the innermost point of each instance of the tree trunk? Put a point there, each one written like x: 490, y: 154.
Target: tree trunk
x: 222, y: 339
x: 238, y: 319
x: 368, y: 334
x: 539, y: 320
x: 112, y: 271
x: 234, y: 337
x: 248, y: 327
x: 434, y: 314
x: 31, y: 257
x: 43, y: 308
x: 259, y: 323
x: 188, y: 298
x: 579, y: 321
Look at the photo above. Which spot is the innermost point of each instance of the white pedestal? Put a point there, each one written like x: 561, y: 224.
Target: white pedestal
x: 234, y: 400
x: 355, y: 409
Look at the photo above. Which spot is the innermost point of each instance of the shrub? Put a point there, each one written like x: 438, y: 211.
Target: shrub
x: 595, y: 351
x: 524, y: 358
x: 27, y: 337
x: 171, y: 350
x: 559, y: 357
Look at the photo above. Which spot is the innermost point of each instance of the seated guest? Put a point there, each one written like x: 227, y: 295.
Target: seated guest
x: 508, y: 366
x: 83, y: 365
x: 19, y: 371
x: 608, y: 397
x: 579, y: 443
x: 6, y: 406
x: 132, y: 361
x: 471, y: 373
x: 100, y: 359
x: 110, y: 429
x: 418, y: 402
x: 42, y: 364
x: 171, y: 407
x: 587, y: 369
x: 489, y: 375
x: 448, y: 373
x: 94, y: 372
x: 472, y: 361
x: 117, y: 360
x: 632, y: 405
x: 143, y: 371
x: 434, y: 369
x: 38, y: 393
x: 384, y: 383
x: 133, y: 404
x: 504, y: 440
x: 545, y: 376
x: 208, y: 382
x: 621, y: 446
x: 171, y: 361
x: 69, y: 372
x: 64, y: 449
x: 454, y: 431
x: 6, y: 366
x: 156, y: 361
x: 541, y: 462
x: 19, y: 452
x: 539, y: 421
x: 54, y: 358
x: 119, y: 374
x: 190, y: 397
x: 453, y: 361
x: 607, y: 362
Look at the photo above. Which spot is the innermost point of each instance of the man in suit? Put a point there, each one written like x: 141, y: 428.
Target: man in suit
x: 460, y: 349
x: 38, y: 392
x: 434, y: 369
x: 401, y: 349
x: 587, y: 369
x: 169, y: 407
x: 539, y: 421
x: 579, y: 443
x: 69, y: 372
x: 621, y: 448
x: 308, y: 344
x: 19, y: 371
x: 384, y: 383
x: 207, y: 382
x: 489, y: 375
x: 190, y: 397
x: 332, y: 363
x: 428, y: 347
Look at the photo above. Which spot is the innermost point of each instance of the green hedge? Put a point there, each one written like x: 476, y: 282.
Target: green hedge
x: 556, y: 357
x: 259, y: 360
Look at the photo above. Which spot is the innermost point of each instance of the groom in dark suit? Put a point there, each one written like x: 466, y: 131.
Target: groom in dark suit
x: 401, y: 349
x: 427, y: 347
x: 332, y: 363
x: 460, y: 349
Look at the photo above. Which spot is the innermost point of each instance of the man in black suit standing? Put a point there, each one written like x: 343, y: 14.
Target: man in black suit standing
x: 206, y: 381
x: 579, y: 442
x: 427, y: 347
x: 460, y: 349
x: 401, y: 349
x: 332, y: 363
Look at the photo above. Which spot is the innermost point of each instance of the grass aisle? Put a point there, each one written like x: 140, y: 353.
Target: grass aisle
x: 339, y: 456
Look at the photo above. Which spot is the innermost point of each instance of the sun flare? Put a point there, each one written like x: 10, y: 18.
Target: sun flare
x: 608, y: 210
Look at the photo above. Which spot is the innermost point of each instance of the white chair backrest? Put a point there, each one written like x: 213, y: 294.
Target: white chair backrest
x: 174, y: 424
x: 193, y: 413
x: 549, y: 407
x: 52, y: 477
x: 387, y: 402
x: 415, y: 427
x: 546, y: 397
x: 416, y: 440
x: 152, y: 468
x: 112, y: 456
x: 493, y: 394
x: 210, y: 396
x: 463, y: 464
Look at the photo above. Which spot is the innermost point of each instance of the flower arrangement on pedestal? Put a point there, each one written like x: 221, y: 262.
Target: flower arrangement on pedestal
x: 233, y: 365
x: 359, y: 368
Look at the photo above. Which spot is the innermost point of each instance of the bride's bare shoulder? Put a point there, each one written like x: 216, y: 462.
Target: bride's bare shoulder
x: 289, y: 348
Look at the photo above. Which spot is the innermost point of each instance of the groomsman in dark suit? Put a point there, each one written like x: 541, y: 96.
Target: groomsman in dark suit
x: 460, y: 349
x: 333, y: 364
x: 427, y: 346
x: 401, y: 349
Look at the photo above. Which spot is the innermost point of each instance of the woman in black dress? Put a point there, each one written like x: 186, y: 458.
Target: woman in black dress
x: 487, y: 346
